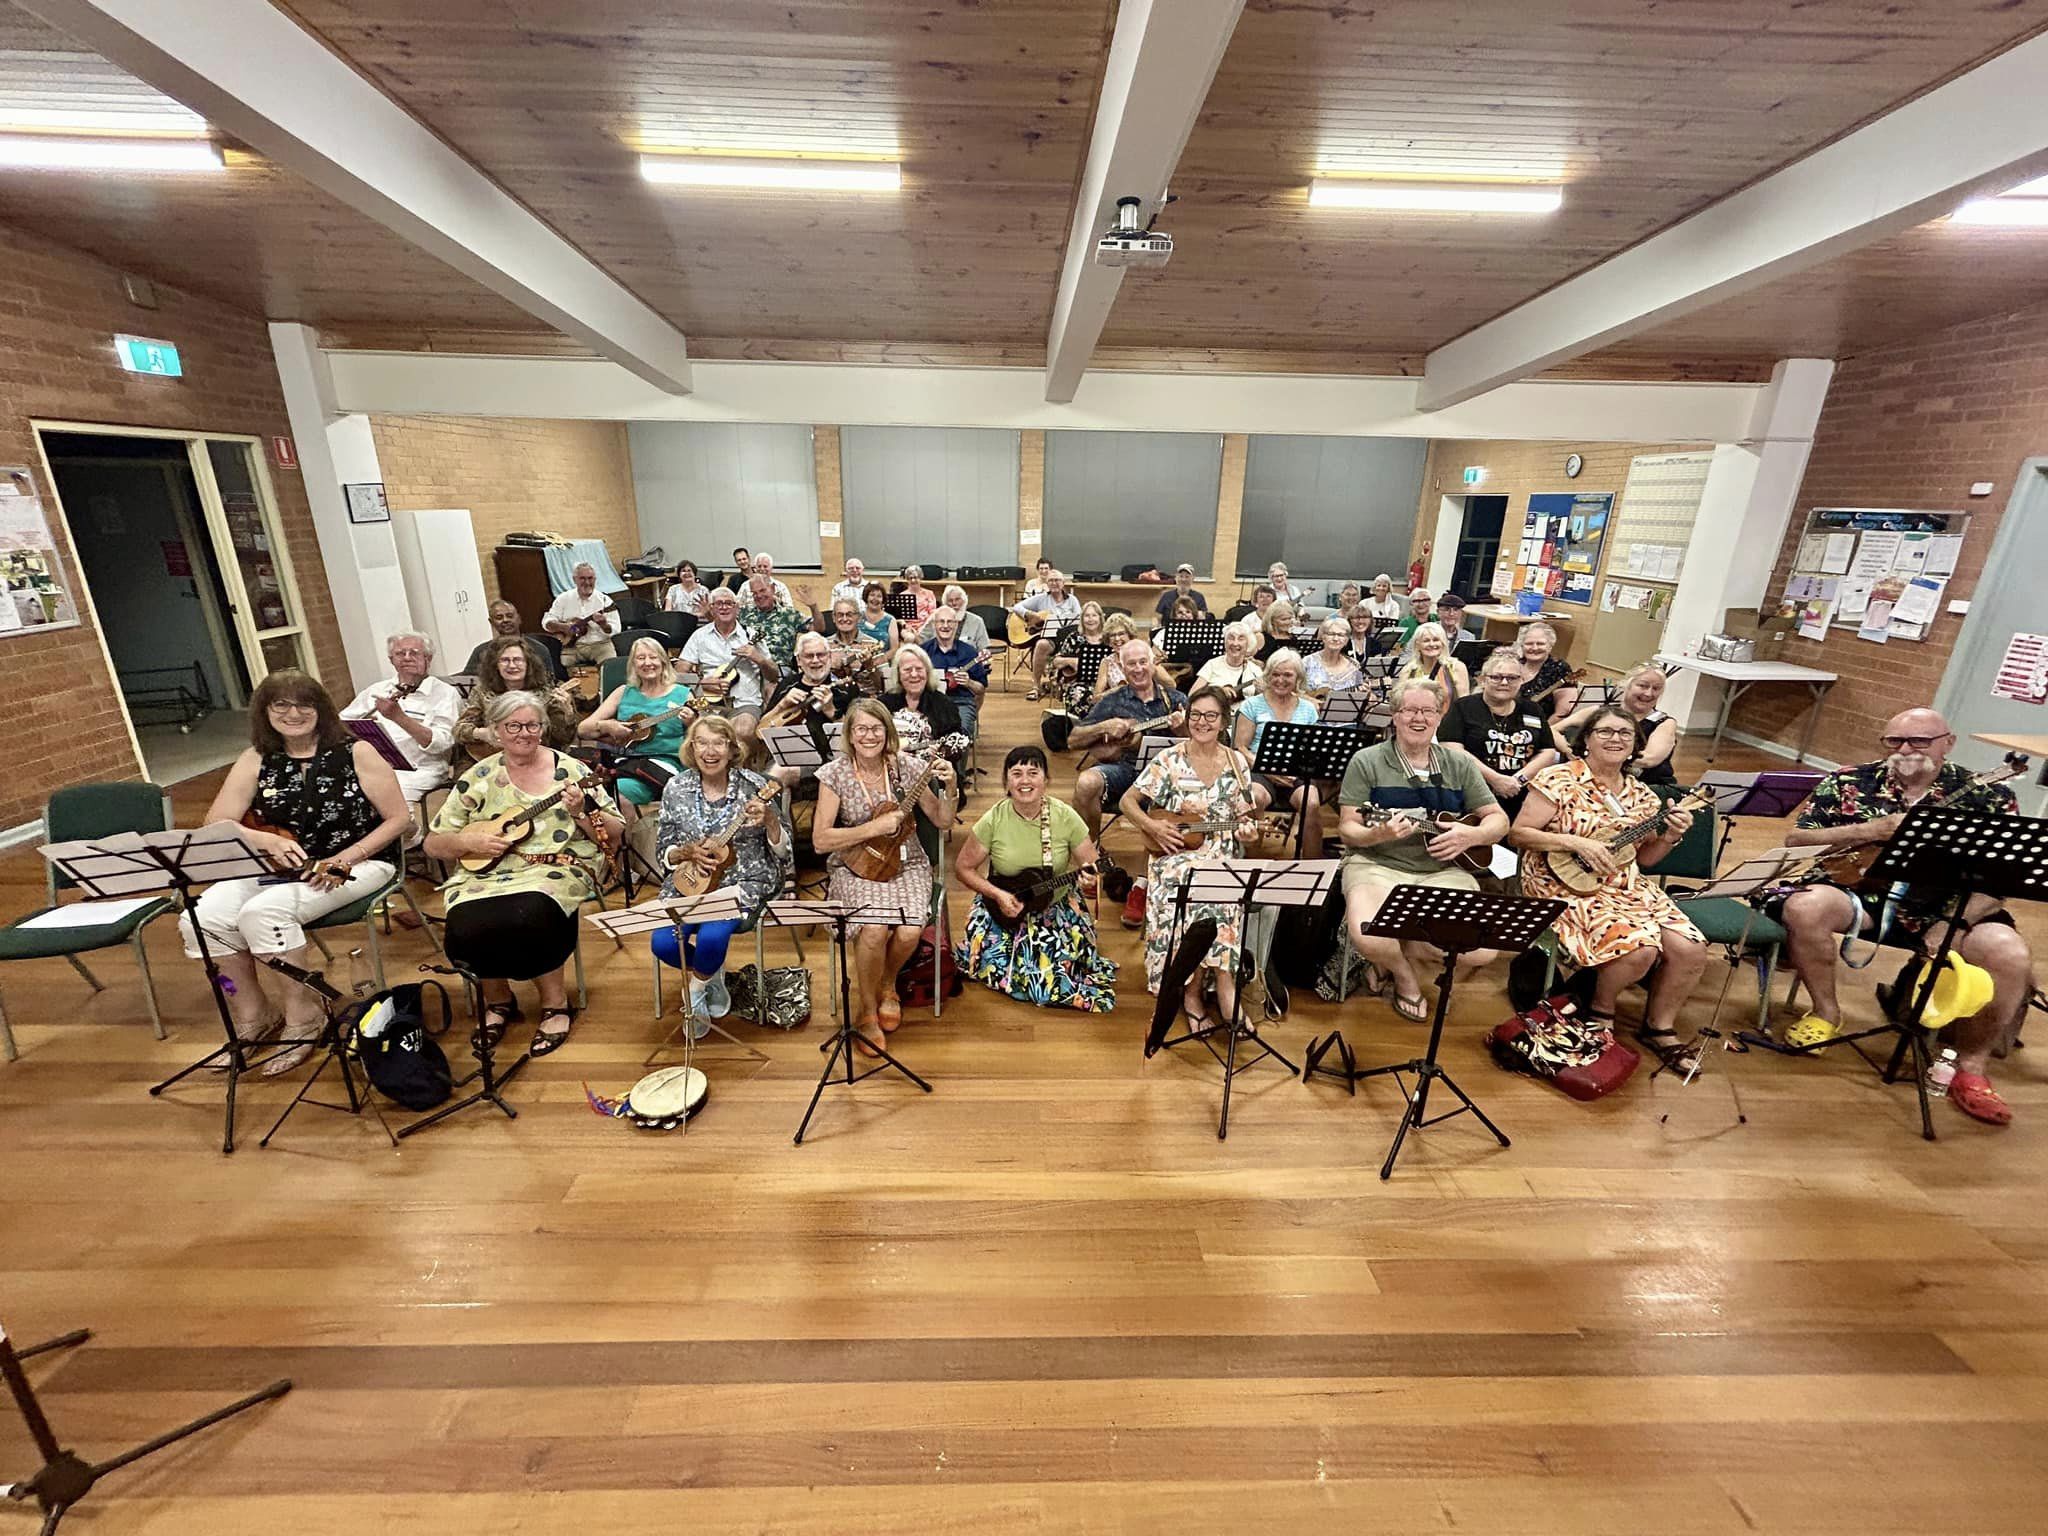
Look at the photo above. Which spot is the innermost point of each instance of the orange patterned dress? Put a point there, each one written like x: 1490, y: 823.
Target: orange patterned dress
x: 1629, y: 911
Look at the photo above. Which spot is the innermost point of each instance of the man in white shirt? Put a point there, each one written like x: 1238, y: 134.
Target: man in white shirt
x: 417, y: 713
x: 972, y: 630
x: 1054, y: 609
x: 855, y: 586
x: 723, y: 642
x: 764, y: 566
x: 584, y: 620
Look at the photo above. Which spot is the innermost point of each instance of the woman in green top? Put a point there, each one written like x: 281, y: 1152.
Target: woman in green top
x: 1047, y: 957
x: 517, y: 920
x: 650, y: 691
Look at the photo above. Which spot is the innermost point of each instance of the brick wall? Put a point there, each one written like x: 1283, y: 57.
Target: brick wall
x: 568, y: 477
x: 1913, y: 427
x: 59, y: 312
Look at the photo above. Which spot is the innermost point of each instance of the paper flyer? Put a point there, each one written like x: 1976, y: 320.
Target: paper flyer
x: 1817, y: 612
x: 1942, y: 553
x: 1877, y: 613
x: 1876, y: 554
x: 1813, y: 549
x: 1852, y: 597
x: 1840, y: 551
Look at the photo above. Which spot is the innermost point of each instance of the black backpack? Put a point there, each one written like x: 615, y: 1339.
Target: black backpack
x: 403, y: 1061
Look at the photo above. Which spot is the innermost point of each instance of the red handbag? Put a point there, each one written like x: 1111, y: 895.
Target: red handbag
x: 1550, y: 1041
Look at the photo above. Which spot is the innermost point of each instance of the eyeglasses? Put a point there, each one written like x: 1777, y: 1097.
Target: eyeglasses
x: 1614, y: 733
x: 1205, y: 716
x: 1425, y: 710
x: 1913, y: 743
x: 519, y: 728
x: 293, y: 707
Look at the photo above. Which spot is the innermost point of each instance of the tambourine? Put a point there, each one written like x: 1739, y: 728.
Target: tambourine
x: 660, y: 1101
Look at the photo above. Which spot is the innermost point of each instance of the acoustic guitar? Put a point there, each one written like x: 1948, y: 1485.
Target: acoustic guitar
x: 694, y: 879
x: 1563, y: 872
x: 1851, y: 867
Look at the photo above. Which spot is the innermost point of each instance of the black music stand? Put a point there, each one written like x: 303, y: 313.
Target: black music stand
x: 65, y: 1477
x: 724, y: 904
x: 489, y: 1080
x: 1244, y: 884
x: 1455, y: 922
x: 902, y: 607
x: 841, y: 917
x: 135, y: 863
x: 1773, y: 794
x: 334, y: 1045
x: 1191, y: 642
x: 634, y: 870
x: 1307, y: 753
x: 1363, y: 708
x: 1965, y: 853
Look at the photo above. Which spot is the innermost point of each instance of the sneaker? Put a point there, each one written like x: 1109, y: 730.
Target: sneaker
x: 1134, y: 906
x: 717, y: 997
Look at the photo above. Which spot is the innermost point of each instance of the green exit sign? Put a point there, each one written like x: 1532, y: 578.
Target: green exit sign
x: 139, y: 354
x: 1474, y: 473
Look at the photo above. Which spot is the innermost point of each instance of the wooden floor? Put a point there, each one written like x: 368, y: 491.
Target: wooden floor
x: 1045, y: 1297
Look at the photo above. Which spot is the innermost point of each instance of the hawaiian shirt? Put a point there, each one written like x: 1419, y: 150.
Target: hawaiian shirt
x: 775, y: 630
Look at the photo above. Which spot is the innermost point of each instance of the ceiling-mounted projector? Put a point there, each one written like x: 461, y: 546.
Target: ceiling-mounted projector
x: 1124, y: 244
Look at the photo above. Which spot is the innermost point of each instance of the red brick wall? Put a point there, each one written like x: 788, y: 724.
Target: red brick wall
x: 1911, y: 426
x: 59, y: 312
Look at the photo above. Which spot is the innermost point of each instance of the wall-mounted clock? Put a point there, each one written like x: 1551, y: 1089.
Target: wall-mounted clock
x: 1572, y: 465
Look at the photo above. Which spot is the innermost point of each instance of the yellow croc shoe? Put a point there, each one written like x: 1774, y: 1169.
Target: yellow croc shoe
x: 1810, y: 1031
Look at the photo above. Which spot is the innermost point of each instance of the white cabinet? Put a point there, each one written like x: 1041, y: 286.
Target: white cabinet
x: 444, y: 582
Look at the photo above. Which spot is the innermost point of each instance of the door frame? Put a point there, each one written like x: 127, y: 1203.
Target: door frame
x: 1977, y: 647
x: 213, y: 514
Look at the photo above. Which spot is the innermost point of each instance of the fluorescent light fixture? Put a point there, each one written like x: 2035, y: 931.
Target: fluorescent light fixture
x: 2013, y: 212
x: 764, y: 174
x: 109, y: 154
x: 1435, y: 197
x: 2028, y: 189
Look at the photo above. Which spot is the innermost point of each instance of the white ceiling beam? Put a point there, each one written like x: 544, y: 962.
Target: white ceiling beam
x: 1162, y: 59
x: 252, y: 71
x: 1982, y: 131
x: 1562, y: 411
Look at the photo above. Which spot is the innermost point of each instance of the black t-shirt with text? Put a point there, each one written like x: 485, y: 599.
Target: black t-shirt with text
x: 1505, y: 743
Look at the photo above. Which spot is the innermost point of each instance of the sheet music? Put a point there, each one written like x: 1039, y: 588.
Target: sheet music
x: 88, y: 914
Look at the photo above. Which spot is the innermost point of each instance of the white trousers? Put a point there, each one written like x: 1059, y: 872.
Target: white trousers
x: 246, y: 916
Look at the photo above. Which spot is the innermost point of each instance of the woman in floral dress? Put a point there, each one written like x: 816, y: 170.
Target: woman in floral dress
x: 1203, y: 777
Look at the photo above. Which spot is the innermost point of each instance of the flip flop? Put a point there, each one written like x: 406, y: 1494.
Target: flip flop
x: 292, y: 1053
x: 1414, y: 1009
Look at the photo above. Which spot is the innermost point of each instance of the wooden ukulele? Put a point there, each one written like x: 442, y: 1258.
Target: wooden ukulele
x: 1478, y: 861
x: 881, y: 859
x: 578, y: 628
x: 693, y: 878
x: 1562, y: 872
x: 516, y: 825
x: 1570, y: 679
x: 795, y: 704
x: 1110, y: 751
x: 643, y: 727
x: 1851, y: 867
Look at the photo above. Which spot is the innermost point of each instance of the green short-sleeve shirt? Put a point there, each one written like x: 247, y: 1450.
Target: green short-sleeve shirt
x: 1013, y: 842
x: 1378, y: 776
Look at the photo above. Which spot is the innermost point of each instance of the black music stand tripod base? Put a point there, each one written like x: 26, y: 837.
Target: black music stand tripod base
x: 840, y: 1047
x: 1454, y: 922
x: 1967, y: 854
x: 65, y: 1477
x: 334, y: 1048
x: 489, y: 1080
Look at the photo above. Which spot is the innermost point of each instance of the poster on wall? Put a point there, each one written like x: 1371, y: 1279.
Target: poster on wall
x: 36, y: 596
x: 1562, y: 534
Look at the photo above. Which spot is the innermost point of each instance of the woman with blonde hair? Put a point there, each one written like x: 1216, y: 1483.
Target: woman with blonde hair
x: 1430, y: 658
x: 1279, y: 630
x: 1281, y: 700
x: 870, y: 772
x: 650, y: 692
x: 1656, y: 732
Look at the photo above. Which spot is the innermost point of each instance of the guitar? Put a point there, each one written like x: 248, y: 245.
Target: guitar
x: 1038, y: 889
x: 516, y: 825
x: 1562, y: 872
x: 694, y: 879
x: 881, y: 859
x: 1851, y: 867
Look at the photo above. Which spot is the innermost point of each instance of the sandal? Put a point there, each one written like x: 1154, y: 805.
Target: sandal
x: 546, y: 1040
x: 889, y: 1014
x: 866, y: 1044
x: 509, y: 1013
x: 1031, y: 697
x: 1811, y: 1030
x: 295, y: 1052
x: 1974, y: 1096
x: 1663, y: 1044
x: 1414, y: 1009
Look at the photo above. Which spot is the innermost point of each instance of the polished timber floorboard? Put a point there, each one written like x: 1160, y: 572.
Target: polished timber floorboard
x: 1045, y: 1297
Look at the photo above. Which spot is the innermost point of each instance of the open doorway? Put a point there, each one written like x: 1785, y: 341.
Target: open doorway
x: 136, y: 519
x: 1478, y: 546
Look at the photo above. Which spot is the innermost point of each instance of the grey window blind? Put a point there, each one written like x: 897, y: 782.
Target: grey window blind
x: 704, y: 487
x: 931, y: 495
x: 1117, y: 498
x: 1335, y: 508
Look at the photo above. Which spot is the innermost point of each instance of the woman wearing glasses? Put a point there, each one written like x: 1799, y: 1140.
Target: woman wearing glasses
x: 1656, y: 732
x: 1203, y: 779
x: 1627, y: 925
x: 516, y: 921
x: 316, y: 801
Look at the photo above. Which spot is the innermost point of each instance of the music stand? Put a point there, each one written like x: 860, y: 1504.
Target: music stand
x: 334, y: 1045
x: 1473, y: 653
x: 1191, y: 642
x: 1307, y: 753
x: 1965, y: 853
x: 725, y: 904
x: 1454, y: 922
x: 65, y: 1477
x: 793, y: 746
x: 1772, y: 794
x: 487, y: 1076
x: 1244, y: 884
x: 372, y: 730
x: 842, y: 917
x: 137, y: 863
x: 901, y: 606
x: 1363, y: 708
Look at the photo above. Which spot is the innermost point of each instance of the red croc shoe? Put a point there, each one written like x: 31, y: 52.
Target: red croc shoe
x: 1972, y: 1093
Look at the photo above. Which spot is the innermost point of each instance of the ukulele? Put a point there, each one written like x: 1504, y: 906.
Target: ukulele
x: 1851, y: 867
x: 1563, y: 872
x: 795, y: 704
x: 1110, y: 751
x: 693, y: 878
x: 881, y: 859
x: 578, y: 628
x: 514, y: 824
x: 1478, y: 861
x: 644, y: 726
x: 1036, y: 888
x: 1571, y: 678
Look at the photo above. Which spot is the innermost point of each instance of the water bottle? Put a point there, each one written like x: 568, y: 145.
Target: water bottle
x: 361, y: 980
x: 1941, y: 1074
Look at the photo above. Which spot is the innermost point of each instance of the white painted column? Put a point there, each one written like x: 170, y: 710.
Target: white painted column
x: 361, y: 559
x: 1751, y: 492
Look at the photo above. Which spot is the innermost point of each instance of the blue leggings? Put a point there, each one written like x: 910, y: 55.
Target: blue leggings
x: 707, y: 944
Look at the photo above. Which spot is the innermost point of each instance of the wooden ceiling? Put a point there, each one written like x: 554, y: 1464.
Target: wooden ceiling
x: 1648, y: 109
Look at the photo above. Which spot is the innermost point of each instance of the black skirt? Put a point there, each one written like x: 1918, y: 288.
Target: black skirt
x: 514, y: 937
